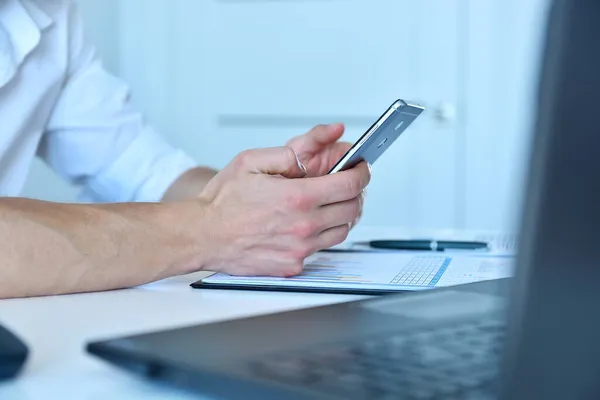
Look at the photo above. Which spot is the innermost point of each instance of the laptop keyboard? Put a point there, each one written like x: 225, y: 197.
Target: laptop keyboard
x: 459, y: 361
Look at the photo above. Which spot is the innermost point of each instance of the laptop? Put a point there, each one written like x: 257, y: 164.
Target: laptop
x: 534, y: 336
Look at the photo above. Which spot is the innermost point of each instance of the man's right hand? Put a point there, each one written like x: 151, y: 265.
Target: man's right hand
x: 260, y: 220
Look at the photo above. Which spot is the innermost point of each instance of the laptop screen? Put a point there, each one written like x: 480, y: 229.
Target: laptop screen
x: 553, y: 347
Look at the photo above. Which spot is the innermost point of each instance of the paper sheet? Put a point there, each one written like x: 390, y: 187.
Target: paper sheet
x: 388, y: 271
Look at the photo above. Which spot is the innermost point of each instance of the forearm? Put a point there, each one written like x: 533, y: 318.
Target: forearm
x: 190, y: 184
x: 52, y: 248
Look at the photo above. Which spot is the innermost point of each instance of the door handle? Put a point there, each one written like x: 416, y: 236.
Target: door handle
x: 445, y: 112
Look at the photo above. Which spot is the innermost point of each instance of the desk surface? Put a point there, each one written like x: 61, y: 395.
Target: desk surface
x: 56, y: 328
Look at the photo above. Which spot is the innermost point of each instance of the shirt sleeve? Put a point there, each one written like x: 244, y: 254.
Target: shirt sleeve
x: 96, y: 139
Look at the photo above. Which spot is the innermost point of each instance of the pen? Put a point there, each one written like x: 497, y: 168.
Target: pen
x: 432, y: 245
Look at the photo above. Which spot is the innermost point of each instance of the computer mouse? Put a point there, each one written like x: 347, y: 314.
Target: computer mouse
x: 13, y: 354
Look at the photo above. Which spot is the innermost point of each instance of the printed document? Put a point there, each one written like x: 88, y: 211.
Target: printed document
x: 400, y: 271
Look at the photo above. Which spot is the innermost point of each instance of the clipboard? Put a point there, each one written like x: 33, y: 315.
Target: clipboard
x: 371, y: 273
x: 294, y: 289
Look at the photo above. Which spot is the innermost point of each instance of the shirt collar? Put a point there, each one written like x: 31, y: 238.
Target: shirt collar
x: 38, y: 15
x: 24, y: 22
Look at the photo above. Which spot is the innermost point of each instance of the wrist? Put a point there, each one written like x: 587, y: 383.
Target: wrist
x: 189, y: 185
x: 186, y: 235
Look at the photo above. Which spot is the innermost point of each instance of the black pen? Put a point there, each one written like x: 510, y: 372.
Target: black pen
x: 424, y: 245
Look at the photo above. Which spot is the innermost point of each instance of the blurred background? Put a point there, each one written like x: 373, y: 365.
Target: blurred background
x: 216, y: 77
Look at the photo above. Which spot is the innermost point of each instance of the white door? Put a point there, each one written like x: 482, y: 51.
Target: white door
x: 223, y: 76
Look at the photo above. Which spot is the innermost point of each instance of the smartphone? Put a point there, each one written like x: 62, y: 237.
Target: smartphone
x: 380, y: 135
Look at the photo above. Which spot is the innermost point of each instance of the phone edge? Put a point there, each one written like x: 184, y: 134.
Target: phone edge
x: 380, y: 121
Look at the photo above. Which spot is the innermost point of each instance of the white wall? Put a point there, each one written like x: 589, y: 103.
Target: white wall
x: 500, y: 81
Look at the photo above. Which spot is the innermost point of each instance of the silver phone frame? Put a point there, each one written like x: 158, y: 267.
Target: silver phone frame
x: 358, y: 145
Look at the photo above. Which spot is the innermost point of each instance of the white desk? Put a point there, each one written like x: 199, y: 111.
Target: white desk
x: 56, y: 328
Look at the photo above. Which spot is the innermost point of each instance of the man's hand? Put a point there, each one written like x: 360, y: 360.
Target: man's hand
x: 260, y: 220
x: 253, y: 218
x: 320, y: 149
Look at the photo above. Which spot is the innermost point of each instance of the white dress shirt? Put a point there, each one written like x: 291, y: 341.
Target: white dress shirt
x: 57, y: 102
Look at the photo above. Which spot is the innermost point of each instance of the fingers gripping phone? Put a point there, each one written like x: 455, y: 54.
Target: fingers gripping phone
x: 380, y: 135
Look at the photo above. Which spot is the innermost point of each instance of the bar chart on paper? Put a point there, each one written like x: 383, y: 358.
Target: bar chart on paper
x: 399, y: 271
x: 327, y: 269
